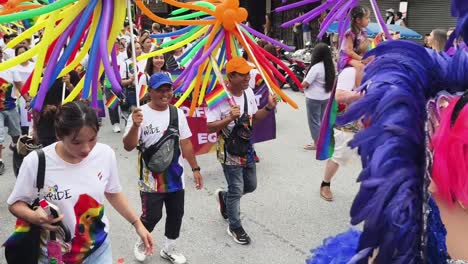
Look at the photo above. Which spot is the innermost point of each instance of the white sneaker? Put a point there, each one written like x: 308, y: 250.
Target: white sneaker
x: 139, y: 250
x: 116, y: 128
x: 173, y: 256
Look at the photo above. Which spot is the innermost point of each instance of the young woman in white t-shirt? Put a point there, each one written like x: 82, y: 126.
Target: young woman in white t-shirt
x: 317, y: 87
x: 80, y: 174
x: 153, y: 65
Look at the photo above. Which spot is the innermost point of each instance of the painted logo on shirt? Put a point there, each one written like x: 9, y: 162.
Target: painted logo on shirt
x: 55, y: 194
x: 89, y: 229
x: 149, y: 130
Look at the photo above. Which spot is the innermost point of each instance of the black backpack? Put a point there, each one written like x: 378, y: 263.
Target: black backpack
x: 238, y: 141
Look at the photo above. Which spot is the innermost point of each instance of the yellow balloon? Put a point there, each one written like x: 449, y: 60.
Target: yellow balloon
x: 51, y: 36
x: 185, y: 95
x: 43, y: 45
x: 40, y: 24
x: 175, y: 46
x: 204, y: 84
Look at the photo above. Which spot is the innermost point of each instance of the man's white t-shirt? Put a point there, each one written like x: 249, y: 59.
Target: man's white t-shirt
x: 316, y: 80
x: 155, y: 123
x: 223, y: 110
x: 24, y: 72
x: 347, y: 79
x: 77, y: 189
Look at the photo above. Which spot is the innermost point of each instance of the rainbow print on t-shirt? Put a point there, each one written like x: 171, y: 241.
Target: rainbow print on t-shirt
x: 6, y: 101
x: 89, y: 229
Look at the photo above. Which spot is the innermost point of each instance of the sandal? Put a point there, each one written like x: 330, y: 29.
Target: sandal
x: 325, y: 192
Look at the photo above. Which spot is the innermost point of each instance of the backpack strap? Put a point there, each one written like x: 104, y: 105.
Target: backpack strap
x: 246, y: 106
x: 173, y: 118
x: 40, y: 170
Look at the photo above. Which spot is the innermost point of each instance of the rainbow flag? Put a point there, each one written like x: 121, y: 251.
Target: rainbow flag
x: 113, y: 101
x: 216, y: 96
x: 143, y: 91
x: 326, y: 141
x: 374, y: 43
x: 21, y: 229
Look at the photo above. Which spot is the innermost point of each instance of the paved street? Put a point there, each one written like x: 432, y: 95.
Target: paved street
x: 285, y: 216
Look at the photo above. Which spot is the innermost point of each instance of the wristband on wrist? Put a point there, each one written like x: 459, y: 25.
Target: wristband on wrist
x: 196, y: 169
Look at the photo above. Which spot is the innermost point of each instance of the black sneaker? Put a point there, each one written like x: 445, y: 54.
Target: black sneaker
x: 239, y: 235
x: 2, y: 167
x: 222, y: 204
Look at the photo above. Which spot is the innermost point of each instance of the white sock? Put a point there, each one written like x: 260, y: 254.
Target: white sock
x: 169, y: 244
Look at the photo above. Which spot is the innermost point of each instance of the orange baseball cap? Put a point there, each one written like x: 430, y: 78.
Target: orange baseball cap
x: 239, y: 65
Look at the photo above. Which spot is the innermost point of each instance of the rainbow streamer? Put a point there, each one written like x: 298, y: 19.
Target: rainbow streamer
x: 113, y: 101
x: 326, y: 141
x: 21, y: 230
x: 143, y: 91
x: 215, y: 97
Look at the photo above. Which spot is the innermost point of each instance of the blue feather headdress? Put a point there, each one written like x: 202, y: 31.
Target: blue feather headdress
x: 389, y: 203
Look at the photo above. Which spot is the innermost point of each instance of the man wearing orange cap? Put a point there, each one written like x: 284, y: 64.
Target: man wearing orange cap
x: 234, y: 150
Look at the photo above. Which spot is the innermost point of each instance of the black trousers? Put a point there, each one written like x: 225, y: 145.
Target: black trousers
x: 113, y: 113
x: 152, y: 204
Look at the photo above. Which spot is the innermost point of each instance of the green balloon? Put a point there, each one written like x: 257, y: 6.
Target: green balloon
x: 189, y: 16
x: 35, y: 12
x: 183, y: 10
x: 181, y: 38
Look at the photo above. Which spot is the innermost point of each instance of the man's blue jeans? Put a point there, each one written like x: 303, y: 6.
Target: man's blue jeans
x: 240, y: 180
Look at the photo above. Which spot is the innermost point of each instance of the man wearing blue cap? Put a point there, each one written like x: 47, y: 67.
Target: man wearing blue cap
x: 162, y: 135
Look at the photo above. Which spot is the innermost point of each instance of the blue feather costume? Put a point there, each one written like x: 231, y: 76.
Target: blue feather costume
x: 400, y: 223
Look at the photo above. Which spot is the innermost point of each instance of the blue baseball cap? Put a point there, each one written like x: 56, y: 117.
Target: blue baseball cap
x: 159, y: 79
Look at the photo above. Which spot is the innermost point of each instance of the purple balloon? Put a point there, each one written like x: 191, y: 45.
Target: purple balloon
x: 340, y: 13
x: 46, y: 82
x: 115, y: 65
x: 294, y: 5
x: 315, y: 12
x: 106, y: 19
x: 260, y: 35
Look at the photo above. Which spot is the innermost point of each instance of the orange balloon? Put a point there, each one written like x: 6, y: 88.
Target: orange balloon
x: 234, y: 4
x: 219, y: 12
x: 242, y: 14
x: 229, y: 21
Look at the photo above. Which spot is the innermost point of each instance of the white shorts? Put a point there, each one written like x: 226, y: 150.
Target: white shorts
x: 342, y: 153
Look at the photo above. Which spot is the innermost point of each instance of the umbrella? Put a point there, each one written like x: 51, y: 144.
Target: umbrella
x: 373, y: 29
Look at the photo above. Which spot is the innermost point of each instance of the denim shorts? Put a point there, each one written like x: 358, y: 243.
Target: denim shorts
x: 10, y: 119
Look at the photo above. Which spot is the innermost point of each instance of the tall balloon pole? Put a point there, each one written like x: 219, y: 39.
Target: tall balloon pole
x: 132, y: 40
x: 378, y: 15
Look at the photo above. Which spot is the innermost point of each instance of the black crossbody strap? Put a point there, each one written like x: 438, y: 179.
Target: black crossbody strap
x: 40, y: 170
x: 173, y: 118
x: 246, y: 106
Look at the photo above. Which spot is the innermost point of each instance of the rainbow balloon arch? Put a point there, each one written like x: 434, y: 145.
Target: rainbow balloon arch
x: 214, y: 28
